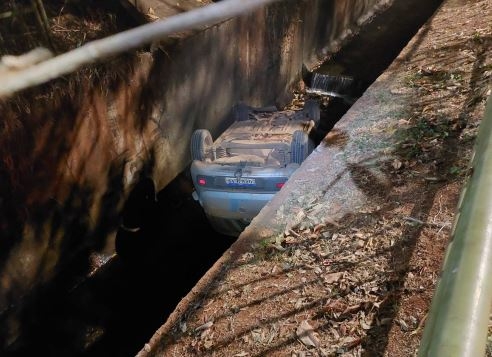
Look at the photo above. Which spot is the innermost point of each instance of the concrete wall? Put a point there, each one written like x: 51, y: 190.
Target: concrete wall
x: 72, y: 150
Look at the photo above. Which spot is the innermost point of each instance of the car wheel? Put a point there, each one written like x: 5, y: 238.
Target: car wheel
x: 201, y: 144
x: 312, y: 111
x: 241, y: 112
x: 299, y: 147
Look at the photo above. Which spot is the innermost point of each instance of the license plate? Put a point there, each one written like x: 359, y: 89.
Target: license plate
x: 234, y: 181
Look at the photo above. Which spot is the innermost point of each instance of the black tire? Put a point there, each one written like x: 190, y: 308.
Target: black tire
x: 201, y: 145
x: 312, y: 111
x: 299, y: 147
x: 241, y: 112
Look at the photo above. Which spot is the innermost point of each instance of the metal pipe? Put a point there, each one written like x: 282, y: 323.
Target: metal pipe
x: 459, y: 314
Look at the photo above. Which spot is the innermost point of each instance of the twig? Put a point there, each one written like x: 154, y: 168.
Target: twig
x: 415, y: 220
x: 6, y: 15
x: 420, y: 325
x: 16, y: 11
x: 43, y: 21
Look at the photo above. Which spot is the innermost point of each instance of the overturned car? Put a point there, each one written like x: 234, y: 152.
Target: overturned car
x: 238, y: 173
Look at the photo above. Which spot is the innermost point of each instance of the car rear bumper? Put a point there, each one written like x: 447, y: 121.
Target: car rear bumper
x: 233, y: 205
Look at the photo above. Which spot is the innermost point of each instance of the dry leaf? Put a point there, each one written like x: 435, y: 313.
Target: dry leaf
x: 365, y: 325
x: 353, y: 308
x: 205, y: 333
x: 277, y: 247
x: 205, y: 326
x: 299, y: 303
x: 306, y: 334
x: 151, y: 14
x: 293, y: 233
x: 318, y: 227
x: 257, y: 335
x: 403, y: 324
x: 290, y: 240
x: 330, y: 220
x: 333, y: 277
x: 396, y: 164
x: 351, y: 342
x: 335, y: 306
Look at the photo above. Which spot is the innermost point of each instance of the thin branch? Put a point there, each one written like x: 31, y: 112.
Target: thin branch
x: 19, y: 12
x: 6, y: 14
x: 43, y: 22
x: 124, y: 41
x: 430, y: 224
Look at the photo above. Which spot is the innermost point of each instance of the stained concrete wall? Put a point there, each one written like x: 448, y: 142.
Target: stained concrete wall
x: 72, y: 150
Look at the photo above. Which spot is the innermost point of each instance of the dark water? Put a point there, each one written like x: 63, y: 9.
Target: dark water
x: 115, y: 312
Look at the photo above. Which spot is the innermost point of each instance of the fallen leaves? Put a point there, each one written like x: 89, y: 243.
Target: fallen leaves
x: 333, y: 277
x: 205, y: 326
x: 306, y: 334
x: 151, y: 15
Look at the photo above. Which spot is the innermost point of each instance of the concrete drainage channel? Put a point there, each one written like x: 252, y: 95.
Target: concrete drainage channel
x: 117, y: 310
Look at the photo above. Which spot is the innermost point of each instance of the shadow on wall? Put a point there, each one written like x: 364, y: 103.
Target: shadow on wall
x: 62, y: 185
x: 138, y: 219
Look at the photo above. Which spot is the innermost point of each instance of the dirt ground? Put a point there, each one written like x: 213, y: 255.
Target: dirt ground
x: 362, y: 285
